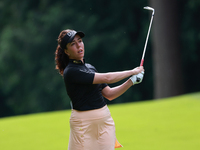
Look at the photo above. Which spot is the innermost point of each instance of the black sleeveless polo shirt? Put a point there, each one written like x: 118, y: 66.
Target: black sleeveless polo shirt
x: 84, y: 95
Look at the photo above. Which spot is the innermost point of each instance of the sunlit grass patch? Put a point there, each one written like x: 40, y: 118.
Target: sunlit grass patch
x: 168, y: 124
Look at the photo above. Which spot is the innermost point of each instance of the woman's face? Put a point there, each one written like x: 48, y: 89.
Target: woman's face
x: 75, y: 49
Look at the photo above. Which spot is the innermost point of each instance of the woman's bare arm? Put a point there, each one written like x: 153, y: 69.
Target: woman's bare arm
x: 114, y: 77
x: 112, y: 93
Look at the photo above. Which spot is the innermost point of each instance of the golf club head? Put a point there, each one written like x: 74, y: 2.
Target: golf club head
x: 149, y: 8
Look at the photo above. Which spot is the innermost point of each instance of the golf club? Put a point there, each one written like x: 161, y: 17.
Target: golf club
x: 148, y: 8
x: 142, y: 60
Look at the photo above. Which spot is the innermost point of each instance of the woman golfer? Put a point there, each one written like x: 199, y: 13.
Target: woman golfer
x: 91, y: 124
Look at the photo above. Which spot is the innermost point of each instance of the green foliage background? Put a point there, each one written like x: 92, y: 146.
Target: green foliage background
x: 115, y: 35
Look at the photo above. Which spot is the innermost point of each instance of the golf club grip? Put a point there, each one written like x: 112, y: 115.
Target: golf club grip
x: 141, y: 63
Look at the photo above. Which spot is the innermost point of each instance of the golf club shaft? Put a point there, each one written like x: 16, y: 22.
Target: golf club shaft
x: 142, y: 60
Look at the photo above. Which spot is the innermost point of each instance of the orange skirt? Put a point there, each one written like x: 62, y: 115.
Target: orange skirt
x: 92, y: 130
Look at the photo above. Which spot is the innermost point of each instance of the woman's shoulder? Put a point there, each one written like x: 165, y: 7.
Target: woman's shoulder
x: 90, y: 67
x: 68, y: 69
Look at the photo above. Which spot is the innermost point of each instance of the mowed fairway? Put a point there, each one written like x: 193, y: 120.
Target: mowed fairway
x: 168, y: 124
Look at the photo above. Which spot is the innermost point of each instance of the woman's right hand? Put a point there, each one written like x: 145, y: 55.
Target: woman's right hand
x: 138, y: 70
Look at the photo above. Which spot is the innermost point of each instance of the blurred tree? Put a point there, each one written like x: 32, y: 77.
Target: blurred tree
x: 168, y: 76
x: 190, y: 43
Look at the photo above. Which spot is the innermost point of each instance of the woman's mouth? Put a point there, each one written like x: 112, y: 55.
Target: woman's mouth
x: 80, y: 51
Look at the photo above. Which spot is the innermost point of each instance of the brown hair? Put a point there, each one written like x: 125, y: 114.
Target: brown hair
x: 61, y: 58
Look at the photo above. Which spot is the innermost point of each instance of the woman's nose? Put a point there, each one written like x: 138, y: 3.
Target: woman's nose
x: 78, y: 44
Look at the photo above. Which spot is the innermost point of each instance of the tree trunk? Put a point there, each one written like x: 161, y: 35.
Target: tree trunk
x: 168, y: 80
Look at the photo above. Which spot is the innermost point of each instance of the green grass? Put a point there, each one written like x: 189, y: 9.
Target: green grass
x: 168, y: 124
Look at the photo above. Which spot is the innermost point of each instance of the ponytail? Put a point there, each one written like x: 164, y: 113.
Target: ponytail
x: 61, y: 59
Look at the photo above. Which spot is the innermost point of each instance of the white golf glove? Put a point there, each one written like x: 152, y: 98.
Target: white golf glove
x: 136, y: 79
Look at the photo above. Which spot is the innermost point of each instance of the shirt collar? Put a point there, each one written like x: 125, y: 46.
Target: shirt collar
x: 74, y: 61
